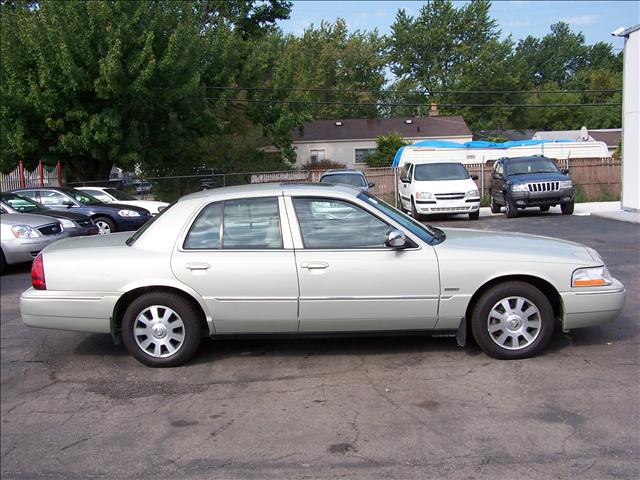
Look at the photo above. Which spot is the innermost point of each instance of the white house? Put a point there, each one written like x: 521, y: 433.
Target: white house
x: 631, y: 119
x: 348, y: 141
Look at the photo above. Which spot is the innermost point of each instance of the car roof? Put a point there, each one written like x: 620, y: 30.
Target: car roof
x: 527, y: 158
x: 273, y: 189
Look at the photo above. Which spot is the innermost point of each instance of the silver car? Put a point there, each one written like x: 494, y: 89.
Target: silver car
x: 23, y: 236
x: 308, y: 259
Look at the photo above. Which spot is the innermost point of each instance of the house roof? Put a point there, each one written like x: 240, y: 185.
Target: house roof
x: 360, y: 128
x: 611, y: 136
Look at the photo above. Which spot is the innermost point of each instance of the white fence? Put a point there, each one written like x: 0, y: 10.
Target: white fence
x: 41, y: 176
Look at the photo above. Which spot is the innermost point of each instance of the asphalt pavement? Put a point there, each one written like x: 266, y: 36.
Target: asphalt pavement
x: 74, y: 405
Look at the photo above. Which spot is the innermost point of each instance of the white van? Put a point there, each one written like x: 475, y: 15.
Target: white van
x: 437, y: 187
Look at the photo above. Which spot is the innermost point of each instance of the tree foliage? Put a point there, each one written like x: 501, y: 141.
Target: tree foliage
x: 387, y: 146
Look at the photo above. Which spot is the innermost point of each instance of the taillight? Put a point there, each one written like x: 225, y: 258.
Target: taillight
x: 37, y: 274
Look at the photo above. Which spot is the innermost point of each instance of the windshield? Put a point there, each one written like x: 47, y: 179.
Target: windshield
x: 118, y: 195
x: 426, y: 233
x: 429, y: 172
x: 533, y: 165
x: 132, y: 239
x: 21, y: 204
x: 82, y: 197
x: 354, y: 179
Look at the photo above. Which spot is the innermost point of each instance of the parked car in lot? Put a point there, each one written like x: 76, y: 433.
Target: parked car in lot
x: 313, y: 259
x: 347, y: 176
x: 75, y: 224
x: 23, y: 236
x: 523, y: 182
x: 113, y: 195
x: 109, y: 217
x: 437, y: 186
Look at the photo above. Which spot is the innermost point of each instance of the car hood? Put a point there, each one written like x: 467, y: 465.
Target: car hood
x: 25, y: 219
x: 538, y: 177
x: 61, y: 214
x: 447, y: 186
x: 484, y: 245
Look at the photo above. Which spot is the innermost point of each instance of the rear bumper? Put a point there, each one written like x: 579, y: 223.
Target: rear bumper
x: 535, y: 199
x: 592, y: 307
x: 62, y: 310
x: 26, y: 249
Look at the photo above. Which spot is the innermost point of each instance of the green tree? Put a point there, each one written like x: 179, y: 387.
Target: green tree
x: 387, y: 146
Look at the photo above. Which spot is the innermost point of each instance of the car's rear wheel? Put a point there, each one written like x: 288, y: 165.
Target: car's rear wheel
x: 510, y: 208
x: 512, y: 320
x: 495, y: 208
x: 474, y: 215
x: 414, y: 210
x: 545, y: 208
x: 105, y: 225
x: 567, y: 208
x: 161, y: 329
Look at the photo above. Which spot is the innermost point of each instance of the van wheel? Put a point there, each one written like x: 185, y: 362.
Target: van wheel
x: 400, y: 206
x: 414, y: 211
x: 545, y: 208
x: 161, y: 329
x: 474, y: 215
x: 512, y: 320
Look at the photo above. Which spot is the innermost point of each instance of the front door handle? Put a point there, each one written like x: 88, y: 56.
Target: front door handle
x: 197, y: 266
x: 314, y: 265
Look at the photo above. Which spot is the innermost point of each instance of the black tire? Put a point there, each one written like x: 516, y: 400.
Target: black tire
x: 495, y: 208
x: 400, y: 207
x: 3, y: 262
x: 480, y: 321
x: 414, y: 211
x: 108, y: 225
x: 191, y: 329
x: 567, y: 208
x: 510, y: 208
x: 545, y: 208
x: 474, y: 215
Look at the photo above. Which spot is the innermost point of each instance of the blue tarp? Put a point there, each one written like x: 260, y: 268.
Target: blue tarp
x: 470, y: 145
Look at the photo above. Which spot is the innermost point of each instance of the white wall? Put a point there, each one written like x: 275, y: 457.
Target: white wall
x: 343, y: 151
x: 631, y: 124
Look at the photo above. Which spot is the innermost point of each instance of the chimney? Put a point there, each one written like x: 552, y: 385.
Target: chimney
x: 433, y: 112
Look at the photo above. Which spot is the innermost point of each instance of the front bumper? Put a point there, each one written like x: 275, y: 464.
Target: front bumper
x: 589, y: 307
x: 468, y: 205
x: 82, y: 231
x: 26, y: 249
x: 536, y: 199
x: 124, y: 224
x: 63, y: 310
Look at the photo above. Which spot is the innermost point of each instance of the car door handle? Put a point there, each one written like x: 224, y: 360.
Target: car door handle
x: 197, y: 266
x: 314, y: 265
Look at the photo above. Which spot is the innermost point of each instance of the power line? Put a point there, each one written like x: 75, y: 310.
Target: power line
x: 427, y: 105
x: 404, y: 92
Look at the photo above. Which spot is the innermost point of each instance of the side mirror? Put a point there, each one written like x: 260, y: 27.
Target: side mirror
x: 371, y: 184
x: 565, y: 171
x: 474, y: 177
x: 404, y: 180
x: 68, y: 204
x: 497, y: 176
x: 395, y: 239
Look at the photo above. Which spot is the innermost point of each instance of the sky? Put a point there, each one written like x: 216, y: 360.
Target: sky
x: 595, y: 19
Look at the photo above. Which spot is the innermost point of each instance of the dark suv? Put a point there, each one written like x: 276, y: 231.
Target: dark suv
x: 534, y: 181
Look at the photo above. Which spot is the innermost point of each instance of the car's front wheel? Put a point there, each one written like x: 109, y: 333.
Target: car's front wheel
x: 414, y: 211
x: 512, y: 320
x: 474, y: 215
x: 510, y: 208
x: 161, y: 329
x: 105, y: 225
x: 495, y: 208
x: 545, y: 208
x: 567, y: 208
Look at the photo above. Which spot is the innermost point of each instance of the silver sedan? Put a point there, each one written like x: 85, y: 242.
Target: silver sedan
x: 312, y: 259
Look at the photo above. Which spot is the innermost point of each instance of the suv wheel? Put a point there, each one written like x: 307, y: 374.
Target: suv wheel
x: 545, y: 208
x: 161, y: 329
x: 495, y: 208
x: 511, y: 209
x: 512, y: 320
x: 567, y: 208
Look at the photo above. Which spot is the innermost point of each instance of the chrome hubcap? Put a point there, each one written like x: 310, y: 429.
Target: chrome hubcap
x: 159, y: 331
x: 514, y: 323
x: 103, y: 228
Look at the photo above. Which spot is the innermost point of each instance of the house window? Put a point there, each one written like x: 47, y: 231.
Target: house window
x: 318, y: 156
x: 361, y: 154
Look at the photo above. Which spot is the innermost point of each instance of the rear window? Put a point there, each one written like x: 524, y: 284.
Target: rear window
x: 353, y: 179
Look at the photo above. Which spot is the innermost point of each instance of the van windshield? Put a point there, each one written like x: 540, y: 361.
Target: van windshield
x: 429, y: 172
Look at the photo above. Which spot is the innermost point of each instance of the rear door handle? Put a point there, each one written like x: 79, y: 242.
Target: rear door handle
x: 314, y: 265
x: 197, y: 266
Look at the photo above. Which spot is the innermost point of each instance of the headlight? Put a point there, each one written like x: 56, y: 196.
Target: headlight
x: 565, y: 184
x: 471, y: 193
x: 591, y: 277
x: 128, y: 213
x: 67, y: 223
x: 24, y: 231
x: 424, y: 195
x: 519, y: 187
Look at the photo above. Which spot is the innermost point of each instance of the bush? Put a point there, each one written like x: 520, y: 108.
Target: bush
x: 579, y: 196
x: 388, y: 145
